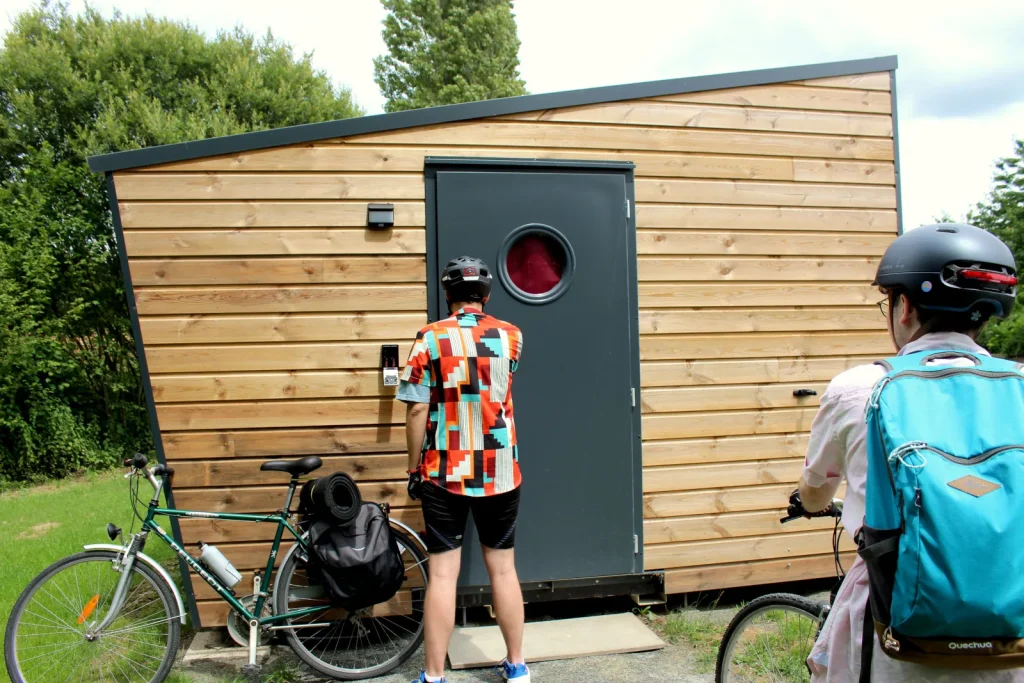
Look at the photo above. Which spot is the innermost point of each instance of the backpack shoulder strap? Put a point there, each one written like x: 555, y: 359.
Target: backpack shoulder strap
x: 920, y: 360
x: 867, y: 644
x: 885, y: 364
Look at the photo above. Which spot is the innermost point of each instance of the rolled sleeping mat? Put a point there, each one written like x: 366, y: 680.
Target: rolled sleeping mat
x: 334, y: 498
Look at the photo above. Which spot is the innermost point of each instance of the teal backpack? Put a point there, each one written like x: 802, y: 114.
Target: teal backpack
x: 943, y: 534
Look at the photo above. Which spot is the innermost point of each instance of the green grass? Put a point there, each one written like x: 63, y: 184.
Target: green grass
x: 40, y: 525
x: 274, y: 673
x: 785, y: 639
x: 694, y: 627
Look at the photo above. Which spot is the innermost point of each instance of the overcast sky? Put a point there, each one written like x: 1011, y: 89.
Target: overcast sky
x: 960, y: 78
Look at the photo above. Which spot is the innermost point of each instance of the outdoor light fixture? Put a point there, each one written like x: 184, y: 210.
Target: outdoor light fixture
x: 380, y: 215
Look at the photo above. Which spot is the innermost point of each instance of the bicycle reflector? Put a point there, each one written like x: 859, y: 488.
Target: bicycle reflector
x: 988, y: 276
x: 88, y: 609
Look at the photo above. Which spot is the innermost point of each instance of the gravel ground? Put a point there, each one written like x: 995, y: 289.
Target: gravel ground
x: 673, y: 663
x: 689, y: 645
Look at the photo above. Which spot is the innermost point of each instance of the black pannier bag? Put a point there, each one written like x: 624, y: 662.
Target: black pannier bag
x: 358, y: 563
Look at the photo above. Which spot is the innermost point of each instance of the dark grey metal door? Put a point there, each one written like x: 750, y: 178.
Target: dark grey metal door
x: 576, y: 393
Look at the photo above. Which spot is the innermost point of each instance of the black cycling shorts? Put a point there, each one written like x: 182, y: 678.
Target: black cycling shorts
x: 445, y: 515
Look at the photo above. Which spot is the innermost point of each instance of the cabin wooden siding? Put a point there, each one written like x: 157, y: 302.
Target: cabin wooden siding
x: 761, y: 214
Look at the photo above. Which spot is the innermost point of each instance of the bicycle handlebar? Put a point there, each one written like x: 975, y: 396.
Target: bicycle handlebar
x: 137, y: 461
x: 138, y: 464
x: 161, y: 470
x: 796, y: 511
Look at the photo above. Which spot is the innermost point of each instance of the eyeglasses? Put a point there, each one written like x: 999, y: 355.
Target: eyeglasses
x: 883, y: 306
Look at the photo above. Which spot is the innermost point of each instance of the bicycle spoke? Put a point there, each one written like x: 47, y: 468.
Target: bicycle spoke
x: 50, y: 653
x: 53, y: 663
x: 384, y: 626
x: 59, y: 627
x: 140, y: 625
x: 128, y: 614
x: 377, y: 632
x: 117, y: 663
x: 66, y: 602
x: 50, y: 648
x: 365, y: 642
x: 56, y: 620
x: 146, y: 654
x: 128, y: 660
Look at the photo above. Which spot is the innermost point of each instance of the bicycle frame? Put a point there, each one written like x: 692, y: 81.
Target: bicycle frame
x: 280, y: 518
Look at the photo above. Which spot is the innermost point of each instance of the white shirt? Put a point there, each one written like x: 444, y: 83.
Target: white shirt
x: 837, y: 449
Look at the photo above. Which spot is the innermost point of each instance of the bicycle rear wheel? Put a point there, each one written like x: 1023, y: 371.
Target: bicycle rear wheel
x: 51, y: 636
x: 769, y: 640
x: 354, y: 645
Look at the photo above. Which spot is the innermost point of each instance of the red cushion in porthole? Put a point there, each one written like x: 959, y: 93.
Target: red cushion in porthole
x: 535, y: 263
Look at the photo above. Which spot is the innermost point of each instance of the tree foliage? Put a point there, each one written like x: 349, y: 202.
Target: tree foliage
x: 1002, y: 213
x: 448, y: 51
x: 72, y: 86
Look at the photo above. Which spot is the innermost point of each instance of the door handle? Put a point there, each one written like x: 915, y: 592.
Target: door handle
x: 800, y: 393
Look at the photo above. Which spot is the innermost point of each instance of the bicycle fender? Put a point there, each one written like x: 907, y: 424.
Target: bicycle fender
x: 146, y: 559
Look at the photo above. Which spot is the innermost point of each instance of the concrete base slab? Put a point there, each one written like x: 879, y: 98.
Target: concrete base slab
x: 482, y: 646
x: 214, y: 647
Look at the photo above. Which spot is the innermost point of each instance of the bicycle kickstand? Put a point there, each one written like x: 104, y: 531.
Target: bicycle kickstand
x: 251, y: 671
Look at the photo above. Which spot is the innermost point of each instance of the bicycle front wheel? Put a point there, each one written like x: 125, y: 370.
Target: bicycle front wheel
x: 354, y: 645
x: 52, y: 633
x: 769, y: 640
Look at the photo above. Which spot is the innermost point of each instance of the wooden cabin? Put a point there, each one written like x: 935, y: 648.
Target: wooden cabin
x: 713, y: 239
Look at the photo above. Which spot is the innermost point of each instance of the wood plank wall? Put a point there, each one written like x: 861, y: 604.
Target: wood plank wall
x: 761, y: 215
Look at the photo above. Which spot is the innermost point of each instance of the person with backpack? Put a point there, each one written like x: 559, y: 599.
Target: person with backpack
x: 931, y: 445
x: 463, y: 456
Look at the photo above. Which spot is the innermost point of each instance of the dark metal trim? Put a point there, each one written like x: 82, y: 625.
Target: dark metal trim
x: 433, y: 274
x: 896, y: 153
x: 632, y: 282
x: 147, y: 387
x: 588, y: 164
x: 293, y: 135
x: 646, y: 583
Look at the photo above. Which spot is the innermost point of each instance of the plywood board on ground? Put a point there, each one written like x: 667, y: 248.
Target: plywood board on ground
x: 481, y: 646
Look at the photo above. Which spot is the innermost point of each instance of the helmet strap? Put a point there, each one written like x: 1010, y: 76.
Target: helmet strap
x: 894, y: 297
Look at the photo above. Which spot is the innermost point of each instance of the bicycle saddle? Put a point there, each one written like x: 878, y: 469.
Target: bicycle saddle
x: 295, y: 468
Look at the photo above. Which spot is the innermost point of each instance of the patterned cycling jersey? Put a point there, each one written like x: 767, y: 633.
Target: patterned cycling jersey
x: 467, y: 362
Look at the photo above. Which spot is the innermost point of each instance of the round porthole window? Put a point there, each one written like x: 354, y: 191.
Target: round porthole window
x: 536, y: 264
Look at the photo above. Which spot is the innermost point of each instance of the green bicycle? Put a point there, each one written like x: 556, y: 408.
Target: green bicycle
x: 113, y: 614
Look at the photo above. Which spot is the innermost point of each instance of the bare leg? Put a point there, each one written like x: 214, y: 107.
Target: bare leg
x: 439, y: 608
x: 508, y: 599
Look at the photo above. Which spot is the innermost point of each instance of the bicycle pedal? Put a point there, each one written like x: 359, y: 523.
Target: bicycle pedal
x: 252, y: 673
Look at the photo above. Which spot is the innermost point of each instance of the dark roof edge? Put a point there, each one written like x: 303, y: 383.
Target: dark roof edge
x: 311, y: 132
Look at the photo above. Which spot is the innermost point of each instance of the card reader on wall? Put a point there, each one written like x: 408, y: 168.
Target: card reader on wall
x: 389, y: 364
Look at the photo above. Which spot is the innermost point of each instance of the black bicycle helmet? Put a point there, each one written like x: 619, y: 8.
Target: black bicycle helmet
x: 951, y: 267
x: 466, y: 279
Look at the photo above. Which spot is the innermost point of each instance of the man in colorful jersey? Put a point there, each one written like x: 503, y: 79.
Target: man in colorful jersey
x: 461, y: 437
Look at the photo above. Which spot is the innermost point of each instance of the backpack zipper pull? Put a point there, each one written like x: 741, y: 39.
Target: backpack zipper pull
x: 907, y: 449
x: 890, y: 643
x: 876, y: 394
